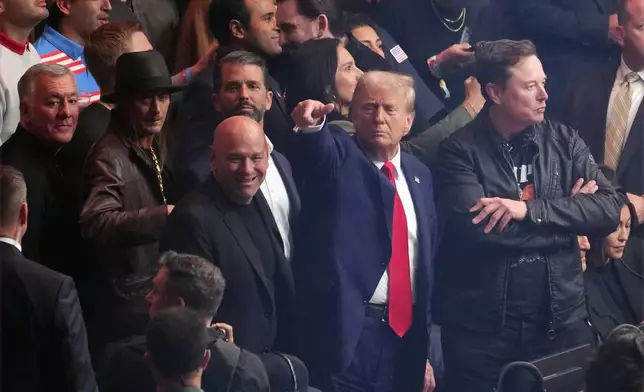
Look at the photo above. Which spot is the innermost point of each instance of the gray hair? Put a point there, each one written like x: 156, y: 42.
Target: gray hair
x: 195, y: 279
x: 391, y: 81
x: 13, y: 194
x: 241, y: 57
x: 27, y: 81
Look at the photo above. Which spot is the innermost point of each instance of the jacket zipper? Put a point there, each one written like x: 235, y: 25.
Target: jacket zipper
x: 551, y: 331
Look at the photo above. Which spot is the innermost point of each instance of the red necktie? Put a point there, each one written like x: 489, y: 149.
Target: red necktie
x: 400, y: 312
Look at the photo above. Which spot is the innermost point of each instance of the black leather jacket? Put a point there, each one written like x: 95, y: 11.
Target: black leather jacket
x: 472, y: 267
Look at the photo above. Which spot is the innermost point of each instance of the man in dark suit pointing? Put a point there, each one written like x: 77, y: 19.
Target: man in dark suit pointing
x: 364, y: 249
x: 44, y: 343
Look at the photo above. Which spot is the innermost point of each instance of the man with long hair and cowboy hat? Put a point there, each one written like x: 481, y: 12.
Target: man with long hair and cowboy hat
x: 127, y: 190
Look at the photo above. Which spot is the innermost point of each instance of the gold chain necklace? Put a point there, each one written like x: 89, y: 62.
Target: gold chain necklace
x: 445, y: 21
x: 157, y: 169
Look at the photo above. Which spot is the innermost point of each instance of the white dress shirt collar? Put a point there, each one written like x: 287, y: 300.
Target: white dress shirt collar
x: 624, y: 70
x: 11, y: 241
x: 394, y: 161
x: 269, y: 144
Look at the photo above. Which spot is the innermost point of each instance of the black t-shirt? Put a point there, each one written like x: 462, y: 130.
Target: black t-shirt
x: 527, y: 295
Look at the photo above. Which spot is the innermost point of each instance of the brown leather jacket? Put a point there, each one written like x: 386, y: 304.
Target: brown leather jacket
x: 122, y: 220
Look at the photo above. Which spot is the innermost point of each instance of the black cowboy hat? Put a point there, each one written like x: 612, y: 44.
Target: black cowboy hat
x: 140, y: 72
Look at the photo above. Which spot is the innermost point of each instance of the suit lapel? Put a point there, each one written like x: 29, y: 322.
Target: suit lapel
x: 283, y: 268
x: 600, y: 106
x: 633, y: 143
x: 278, y: 95
x: 238, y: 230
x: 291, y: 189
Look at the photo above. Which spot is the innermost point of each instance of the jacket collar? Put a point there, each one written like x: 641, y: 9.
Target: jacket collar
x: 13, y: 45
x: 35, y: 144
x: 62, y: 43
x: 497, y: 139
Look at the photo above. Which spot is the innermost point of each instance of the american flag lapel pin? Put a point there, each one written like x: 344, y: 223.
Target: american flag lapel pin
x: 416, y: 180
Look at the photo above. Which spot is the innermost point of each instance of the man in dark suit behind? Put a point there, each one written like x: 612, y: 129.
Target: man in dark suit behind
x: 364, y: 250
x: 228, y: 222
x: 44, y: 343
x: 569, y: 35
x: 604, y: 105
x: 237, y: 25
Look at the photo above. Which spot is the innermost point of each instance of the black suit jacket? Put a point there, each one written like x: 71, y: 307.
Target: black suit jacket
x: 44, y: 343
x: 53, y: 201
x: 205, y: 223
x: 586, y: 111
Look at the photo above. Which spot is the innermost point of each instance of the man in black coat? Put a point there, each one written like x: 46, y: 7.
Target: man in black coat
x: 242, y: 89
x: 44, y: 343
x: 49, y: 113
x: 503, y: 183
x: 228, y: 222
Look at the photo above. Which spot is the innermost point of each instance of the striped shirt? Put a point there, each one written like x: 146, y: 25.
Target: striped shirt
x: 55, y: 48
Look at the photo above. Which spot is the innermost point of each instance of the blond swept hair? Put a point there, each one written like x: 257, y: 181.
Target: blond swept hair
x: 392, y: 81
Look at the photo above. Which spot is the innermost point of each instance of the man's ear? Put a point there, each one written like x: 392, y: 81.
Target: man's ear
x: 206, y: 359
x: 409, y: 121
x: 323, y: 26
x: 620, y: 35
x: 236, y: 29
x: 24, y: 216
x: 494, y: 92
x: 24, y: 114
x: 64, y: 6
x: 180, y: 302
x: 269, y: 100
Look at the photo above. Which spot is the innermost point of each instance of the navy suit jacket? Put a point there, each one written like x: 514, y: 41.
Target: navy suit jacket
x: 343, y: 244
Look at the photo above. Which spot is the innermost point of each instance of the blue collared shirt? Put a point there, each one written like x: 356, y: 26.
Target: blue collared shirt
x: 55, y: 48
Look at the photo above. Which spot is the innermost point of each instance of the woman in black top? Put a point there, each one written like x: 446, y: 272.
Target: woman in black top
x: 611, y: 286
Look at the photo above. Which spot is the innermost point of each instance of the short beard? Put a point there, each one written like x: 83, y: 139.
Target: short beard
x: 256, y: 114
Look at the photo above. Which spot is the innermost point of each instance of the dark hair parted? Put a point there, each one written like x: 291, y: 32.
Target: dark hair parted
x: 618, y: 365
x: 199, y: 282
x: 312, y: 9
x: 221, y: 13
x: 177, y: 339
x: 13, y: 194
x: 240, y: 57
x: 495, y: 59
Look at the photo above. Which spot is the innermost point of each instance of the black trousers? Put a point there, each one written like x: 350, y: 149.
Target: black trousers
x: 384, y: 362
x: 473, y: 361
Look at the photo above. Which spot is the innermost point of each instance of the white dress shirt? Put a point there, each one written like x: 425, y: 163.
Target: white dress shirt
x: 11, y: 241
x: 276, y: 196
x: 381, y: 295
x: 637, y: 93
